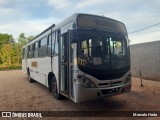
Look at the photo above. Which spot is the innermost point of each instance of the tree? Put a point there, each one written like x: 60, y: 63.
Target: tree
x: 6, y: 54
x: 22, y: 40
x: 17, y: 53
x: 12, y: 40
x: 30, y: 38
x: 5, y: 39
x: 10, y: 51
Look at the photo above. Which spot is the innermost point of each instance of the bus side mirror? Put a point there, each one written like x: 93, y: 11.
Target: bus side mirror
x: 72, y: 34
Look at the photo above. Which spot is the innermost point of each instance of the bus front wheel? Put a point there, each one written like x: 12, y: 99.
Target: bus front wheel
x: 55, y: 90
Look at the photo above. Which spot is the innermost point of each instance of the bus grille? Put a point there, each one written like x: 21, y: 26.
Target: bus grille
x: 115, y: 83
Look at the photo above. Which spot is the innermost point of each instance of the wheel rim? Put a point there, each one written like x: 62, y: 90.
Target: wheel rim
x: 54, y: 89
x: 29, y: 76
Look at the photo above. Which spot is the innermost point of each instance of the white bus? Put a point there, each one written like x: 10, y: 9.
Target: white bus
x: 85, y: 57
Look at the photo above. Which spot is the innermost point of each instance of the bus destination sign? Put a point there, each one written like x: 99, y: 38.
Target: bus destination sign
x: 99, y: 22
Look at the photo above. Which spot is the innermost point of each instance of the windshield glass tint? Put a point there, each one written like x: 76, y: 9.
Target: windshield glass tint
x: 100, y: 50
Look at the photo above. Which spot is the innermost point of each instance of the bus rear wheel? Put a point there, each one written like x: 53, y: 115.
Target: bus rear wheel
x: 55, y: 90
x: 29, y: 77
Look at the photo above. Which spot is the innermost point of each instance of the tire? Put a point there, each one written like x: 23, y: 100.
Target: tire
x: 29, y: 77
x: 55, y: 90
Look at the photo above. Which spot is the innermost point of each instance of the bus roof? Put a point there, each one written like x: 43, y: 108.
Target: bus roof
x: 94, y: 21
x: 89, y: 21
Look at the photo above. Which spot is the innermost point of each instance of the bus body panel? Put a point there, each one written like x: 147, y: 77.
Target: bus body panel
x: 39, y: 69
x: 42, y: 70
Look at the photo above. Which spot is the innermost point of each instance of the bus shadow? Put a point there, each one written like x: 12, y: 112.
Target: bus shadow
x: 106, y: 104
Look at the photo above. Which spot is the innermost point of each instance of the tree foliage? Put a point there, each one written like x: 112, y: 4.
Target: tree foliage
x: 11, y: 51
x: 5, y: 39
x: 7, y: 54
x: 30, y: 38
x: 22, y: 40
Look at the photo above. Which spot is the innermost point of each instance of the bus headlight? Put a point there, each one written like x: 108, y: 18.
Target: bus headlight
x: 87, y: 83
x: 128, y: 79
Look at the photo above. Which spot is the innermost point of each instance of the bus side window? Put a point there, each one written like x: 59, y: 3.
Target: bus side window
x: 56, y: 51
x: 35, y: 50
x: 71, y: 52
x: 43, y: 47
x: 39, y: 47
x: 49, y: 46
x: 30, y: 51
x: 53, y: 43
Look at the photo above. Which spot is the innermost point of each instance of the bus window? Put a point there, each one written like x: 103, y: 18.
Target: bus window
x: 49, y: 46
x: 56, y: 51
x: 39, y: 48
x: 72, y: 52
x: 97, y: 47
x: 117, y: 46
x: 63, y: 47
x: 39, y: 43
x: 35, y: 54
x: 30, y: 52
x: 84, y: 47
x: 43, y: 47
x: 53, y: 43
x: 90, y: 47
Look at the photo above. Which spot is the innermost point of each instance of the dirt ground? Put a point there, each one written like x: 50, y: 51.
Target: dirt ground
x: 17, y: 94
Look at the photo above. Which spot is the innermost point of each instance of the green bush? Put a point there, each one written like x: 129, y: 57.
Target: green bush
x: 10, y: 67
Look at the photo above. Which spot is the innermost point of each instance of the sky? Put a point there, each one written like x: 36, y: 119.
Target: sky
x: 33, y: 16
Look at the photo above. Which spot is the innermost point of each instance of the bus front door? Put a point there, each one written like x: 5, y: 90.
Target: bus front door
x: 64, y: 65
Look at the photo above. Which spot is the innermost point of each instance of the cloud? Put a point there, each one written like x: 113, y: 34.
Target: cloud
x: 29, y: 27
x: 33, y: 17
x: 59, y: 4
x: 2, y: 2
x: 145, y: 37
x: 11, y: 15
x: 88, y: 3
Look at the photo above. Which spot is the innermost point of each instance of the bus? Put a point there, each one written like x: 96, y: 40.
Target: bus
x: 85, y: 57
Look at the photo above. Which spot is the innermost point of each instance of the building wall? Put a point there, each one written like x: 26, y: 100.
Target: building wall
x: 146, y: 57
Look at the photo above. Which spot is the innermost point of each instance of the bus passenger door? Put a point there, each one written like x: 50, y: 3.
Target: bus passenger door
x: 63, y: 65
x: 66, y: 65
x: 71, y: 57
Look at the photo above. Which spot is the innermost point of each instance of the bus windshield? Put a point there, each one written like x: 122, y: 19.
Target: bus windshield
x: 102, y: 53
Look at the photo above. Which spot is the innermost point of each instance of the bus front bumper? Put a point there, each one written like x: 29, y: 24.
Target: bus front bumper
x: 85, y: 94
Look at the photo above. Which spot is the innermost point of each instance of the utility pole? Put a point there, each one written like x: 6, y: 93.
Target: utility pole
x: 140, y: 78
